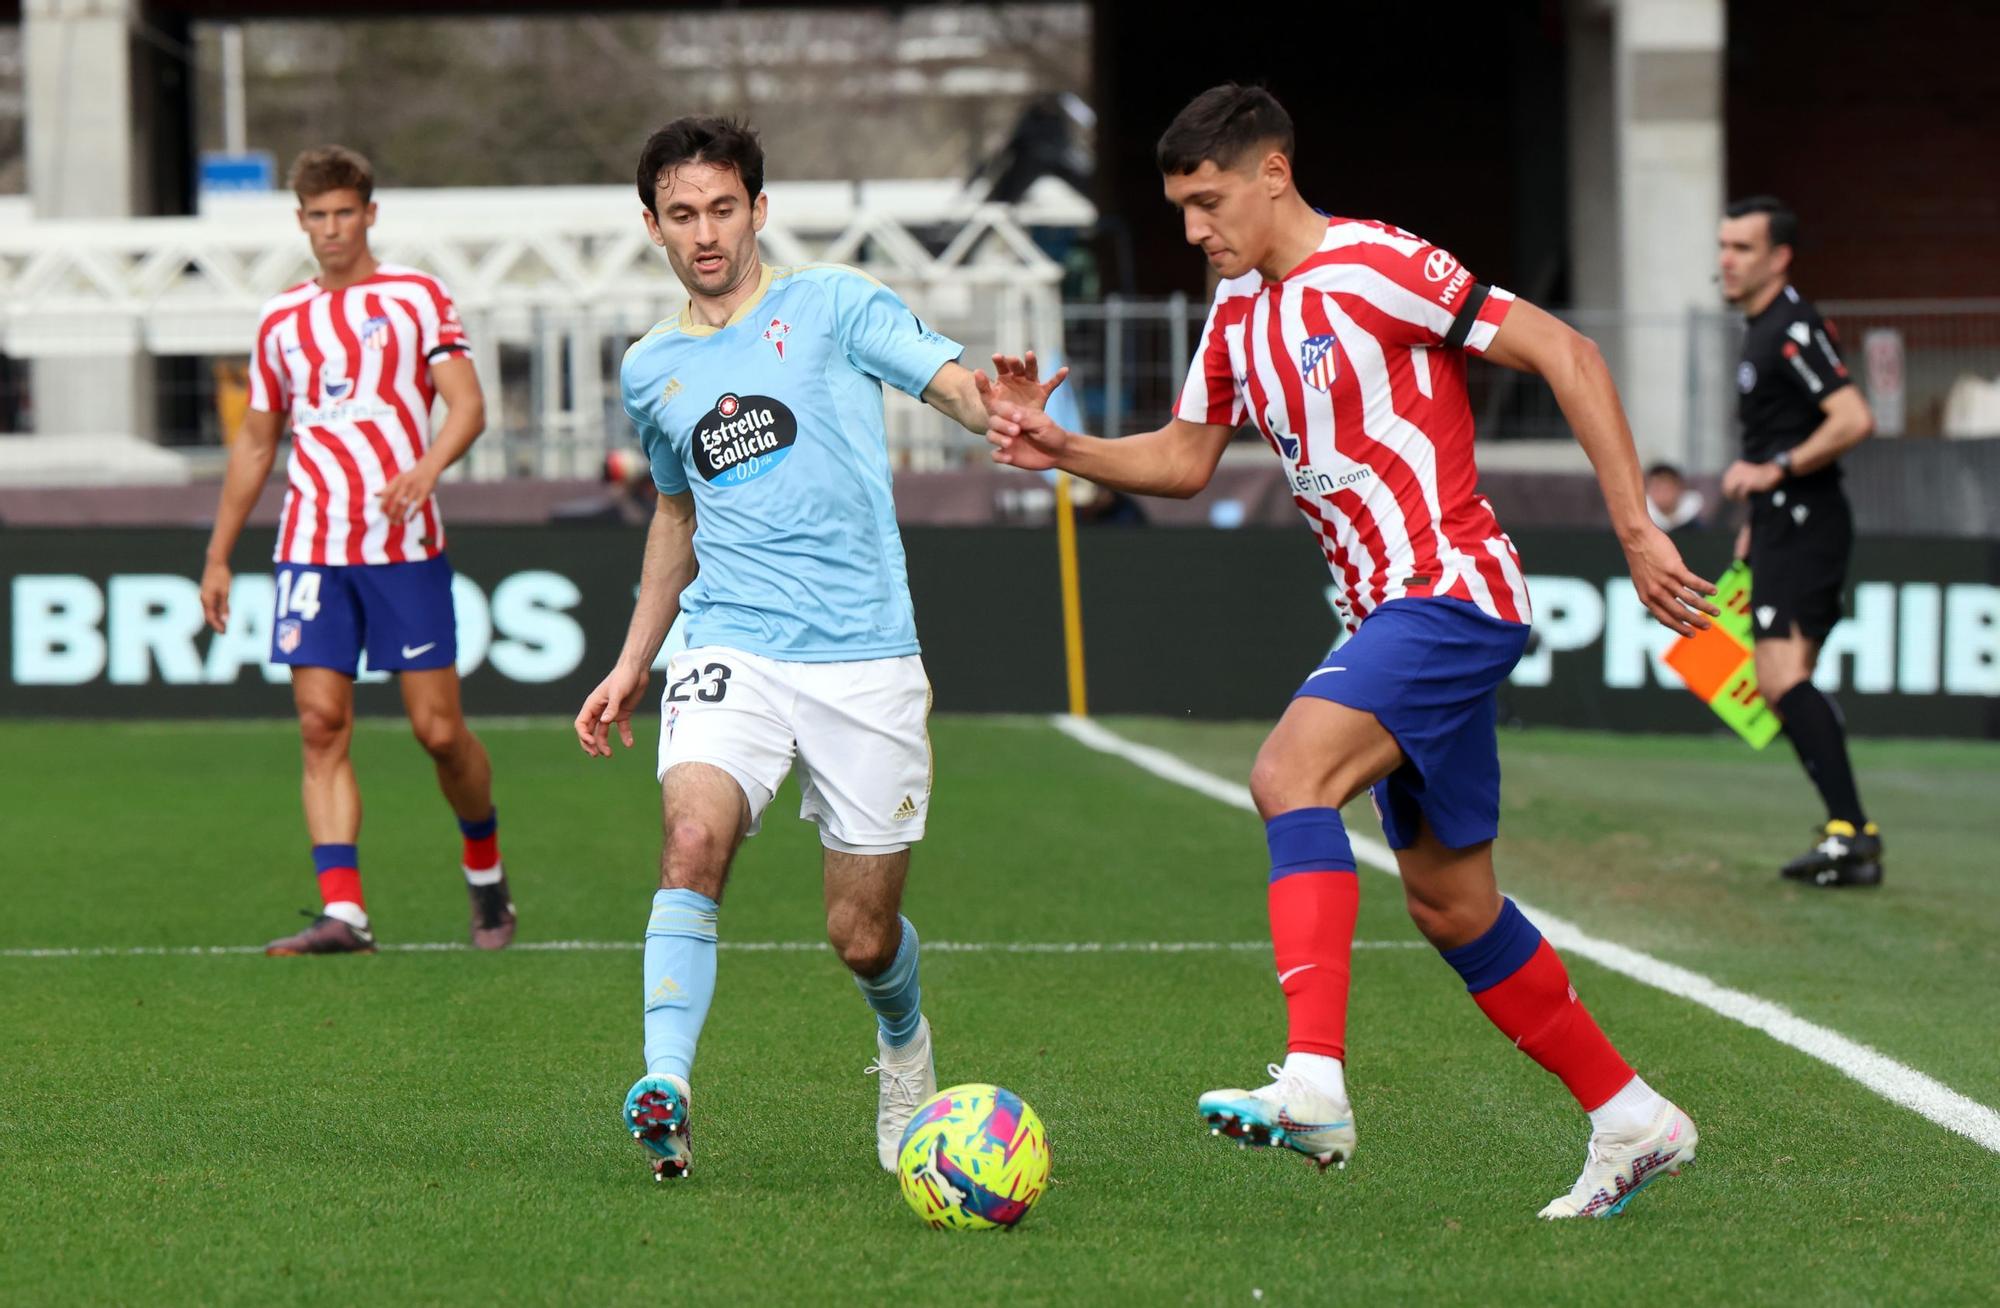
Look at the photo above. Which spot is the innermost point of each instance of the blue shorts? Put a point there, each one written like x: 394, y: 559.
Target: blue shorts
x: 1428, y: 670
x: 400, y: 613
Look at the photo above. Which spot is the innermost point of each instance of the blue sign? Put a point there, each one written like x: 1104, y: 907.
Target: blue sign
x: 253, y: 170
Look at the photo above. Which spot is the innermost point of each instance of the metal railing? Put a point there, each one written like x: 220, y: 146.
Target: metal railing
x: 552, y: 375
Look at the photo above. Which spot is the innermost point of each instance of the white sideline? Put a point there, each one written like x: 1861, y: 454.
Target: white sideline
x: 737, y: 946
x: 1894, y: 1081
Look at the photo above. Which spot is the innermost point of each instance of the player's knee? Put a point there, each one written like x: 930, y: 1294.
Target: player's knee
x: 439, y: 733
x: 1274, y: 786
x: 323, y: 731
x: 695, y: 852
x: 866, y: 944
x: 1448, y: 923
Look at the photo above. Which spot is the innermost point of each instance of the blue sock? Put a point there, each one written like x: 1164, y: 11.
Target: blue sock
x: 1504, y: 950
x: 680, y: 979
x: 895, y: 995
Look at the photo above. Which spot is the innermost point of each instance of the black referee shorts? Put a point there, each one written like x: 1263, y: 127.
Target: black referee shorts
x: 1799, y: 550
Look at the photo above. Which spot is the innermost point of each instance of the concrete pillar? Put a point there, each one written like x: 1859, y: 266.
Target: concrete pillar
x: 84, y: 161
x: 1646, y: 190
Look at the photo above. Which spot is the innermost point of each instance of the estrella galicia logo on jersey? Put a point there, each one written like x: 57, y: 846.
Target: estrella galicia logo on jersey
x: 332, y: 384
x: 1316, y: 359
x: 742, y: 438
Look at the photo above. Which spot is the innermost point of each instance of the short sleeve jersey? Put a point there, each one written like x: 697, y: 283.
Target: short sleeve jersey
x: 1790, y: 365
x: 351, y: 370
x: 774, y: 422
x: 1352, y: 368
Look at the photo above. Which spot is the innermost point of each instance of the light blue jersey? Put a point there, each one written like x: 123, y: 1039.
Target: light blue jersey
x: 775, y: 421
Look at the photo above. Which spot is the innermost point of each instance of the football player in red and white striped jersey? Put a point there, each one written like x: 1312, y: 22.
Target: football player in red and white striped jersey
x: 350, y: 362
x: 1345, y: 342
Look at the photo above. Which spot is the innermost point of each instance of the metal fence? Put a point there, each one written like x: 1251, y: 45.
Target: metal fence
x: 1676, y: 372
x: 1930, y: 369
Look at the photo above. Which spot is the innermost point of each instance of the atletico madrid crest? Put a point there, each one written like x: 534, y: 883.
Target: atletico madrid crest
x: 1316, y: 361
x: 375, y: 333
x: 290, y: 634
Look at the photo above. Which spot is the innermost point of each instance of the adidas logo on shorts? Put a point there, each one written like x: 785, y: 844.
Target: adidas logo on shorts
x: 906, y: 810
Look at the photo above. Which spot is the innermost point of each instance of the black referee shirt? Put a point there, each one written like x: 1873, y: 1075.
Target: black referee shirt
x: 1789, y: 366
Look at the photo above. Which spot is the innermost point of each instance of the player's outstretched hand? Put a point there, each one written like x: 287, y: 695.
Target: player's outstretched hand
x: 1024, y: 438
x: 611, y: 703
x: 1669, y: 591
x: 1017, y: 381
x: 215, y: 579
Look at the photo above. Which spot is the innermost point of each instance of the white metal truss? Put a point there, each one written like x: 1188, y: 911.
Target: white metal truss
x: 562, y: 272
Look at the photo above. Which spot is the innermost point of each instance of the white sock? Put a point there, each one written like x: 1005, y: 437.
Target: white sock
x: 490, y: 877
x: 1320, y: 1072
x: 1630, y: 1110
x: 351, y: 913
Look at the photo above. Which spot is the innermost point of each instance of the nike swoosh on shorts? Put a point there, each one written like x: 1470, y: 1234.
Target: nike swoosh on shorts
x: 409, y: 653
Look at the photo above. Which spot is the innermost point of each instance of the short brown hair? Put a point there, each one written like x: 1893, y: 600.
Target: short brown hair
x: 1221, y: 126
x: 701, y: 138
x: 331, y: 168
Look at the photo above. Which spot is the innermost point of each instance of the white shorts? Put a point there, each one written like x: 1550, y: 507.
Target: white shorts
x: 859, y: 731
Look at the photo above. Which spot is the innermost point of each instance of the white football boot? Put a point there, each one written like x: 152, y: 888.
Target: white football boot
x: 1290, y: 1112
x: 1619, y: 1166
x: 908, y: 1077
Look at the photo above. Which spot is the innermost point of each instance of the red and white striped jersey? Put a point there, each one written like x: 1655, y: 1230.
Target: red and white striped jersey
x: 352, y: 368
x: 1353, y: 368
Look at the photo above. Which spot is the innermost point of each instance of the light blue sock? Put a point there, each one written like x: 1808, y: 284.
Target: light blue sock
x: 895, y: 995
x: 680, y: 978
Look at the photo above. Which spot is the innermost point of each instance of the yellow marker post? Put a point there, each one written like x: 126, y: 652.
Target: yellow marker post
x: 1072, y: 596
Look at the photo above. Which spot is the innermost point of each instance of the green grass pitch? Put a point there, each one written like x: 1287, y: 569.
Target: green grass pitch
x: 442, y: 1126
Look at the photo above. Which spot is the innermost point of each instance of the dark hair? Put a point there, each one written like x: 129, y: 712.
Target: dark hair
x: 702, y: 138
x: 1784, y: 223
x: 1220, y: 126
x: 330, y: 168
x: 1664, y: 470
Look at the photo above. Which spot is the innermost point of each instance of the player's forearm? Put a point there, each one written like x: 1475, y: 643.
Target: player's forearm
x: 959, y: 400
x: 669, y: 567
x: 1842, y: 431
x: 1589, y: 402
x: 463, y: 423
x: 1151, y: 463
x: 243, y: 481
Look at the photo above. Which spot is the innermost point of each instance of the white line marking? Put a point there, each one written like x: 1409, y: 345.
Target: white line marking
x: 736, y: 946
x: 1894, y: 1081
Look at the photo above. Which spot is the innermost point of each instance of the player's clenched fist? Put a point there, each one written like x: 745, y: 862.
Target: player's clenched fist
x: 612, y: 702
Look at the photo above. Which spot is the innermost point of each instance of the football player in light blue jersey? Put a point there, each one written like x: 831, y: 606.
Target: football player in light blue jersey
x: 774, y: 543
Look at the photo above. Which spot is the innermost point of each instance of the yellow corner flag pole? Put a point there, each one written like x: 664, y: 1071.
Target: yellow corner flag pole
x: 1072, y: 596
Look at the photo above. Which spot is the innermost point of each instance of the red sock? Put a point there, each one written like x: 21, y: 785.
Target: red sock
x: 1538, y: 1009
x: 339, y: 875
x: 482, y: 843
x: 1312, y: 937
x: 482, y: 855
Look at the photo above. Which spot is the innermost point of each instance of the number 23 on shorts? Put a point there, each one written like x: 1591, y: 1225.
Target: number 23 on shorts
x: 708, y: 683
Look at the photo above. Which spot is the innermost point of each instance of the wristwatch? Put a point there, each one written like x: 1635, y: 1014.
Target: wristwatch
x: 1783, y: 463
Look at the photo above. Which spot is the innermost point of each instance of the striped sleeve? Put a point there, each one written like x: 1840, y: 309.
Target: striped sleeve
x: 1432, y: 297
x: 444, y: 334
x: 1211, y: 394
x: 267, y: 377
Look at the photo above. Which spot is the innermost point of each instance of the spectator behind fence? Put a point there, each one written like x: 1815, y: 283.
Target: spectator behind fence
x: 1673, y: 503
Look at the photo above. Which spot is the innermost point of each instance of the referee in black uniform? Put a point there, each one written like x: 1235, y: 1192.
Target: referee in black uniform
x: 1799, y: 414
